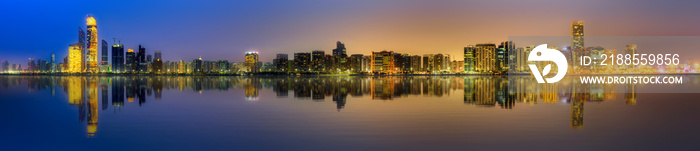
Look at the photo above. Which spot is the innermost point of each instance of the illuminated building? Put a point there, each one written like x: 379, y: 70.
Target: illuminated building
x: 118, y: 58
x: 356, y: 62
x: 382, y: 62
x: 182, y: 67
x: 577, y: 44
x: 415, y: 63
x: 75, y: 58
x: 250, y: 59
x: 428, y: 62
x: 281, y: 62
x: 91, y: 58
x: 469, y: 60
x: 318, y: 60
x: 631, y: 49
x: 339, y: 57
x: 81, y: 45
x: 130, y: 61
x: 158, y: 62
x: 302, y: 61
x: 502, y: 56
x: 438, y: 62
x: 485, y: 58
x: 140, y: 63
x: 340, y: 50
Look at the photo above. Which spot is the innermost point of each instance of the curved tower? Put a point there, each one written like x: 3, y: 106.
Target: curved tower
x: 91, y: 59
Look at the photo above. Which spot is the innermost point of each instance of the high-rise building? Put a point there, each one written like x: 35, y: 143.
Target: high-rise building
x: 383, y: 62
x: 469, y: 60
x: 118, y: 58
x: 340, y: 51
x: 631, y: 49
x: 91, y: 58
x: 428, y: 62
x: 415, y: 63
x: 302, y: 61
x: 318, y: 60
x: 158, y: 55
x: 502, y: 58
x: 141, y: 63
x: 577, y: 45
x: 81, y: 46
x: 105, y: 53
x: 485, y: 58
x: 53, y: 63
x: 75, y: 58
x: 439, y: 62
x: 281, y: 62
x: 250, y: 59
x: 130, y: 61
x: 356, y: 62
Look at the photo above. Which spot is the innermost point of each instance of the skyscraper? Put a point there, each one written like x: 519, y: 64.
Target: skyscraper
x: 75, y: 58
x: 339, y: 51
x: 281, y: 62
x: 91, y: 58
x: 118, y: 58
x: 81, y: 46
x: 158, y: 55
x: 318, y: 60
x: 141, y: 60
x: 105, y: 53
x: 53, y: 62
x: 577, y: 45
x: 130, y: 61
x: 302, y: 61
x: 250, y: 59
x: 382, y: 62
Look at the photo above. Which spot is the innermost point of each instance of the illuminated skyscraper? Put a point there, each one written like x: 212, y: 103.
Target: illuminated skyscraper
x: 130, y: 61
x: 75, y: 58
x: 485, y: 58
x: 631, y: 49
x: 91, y: 58
x: 318, y: 60
x: 302, y: 61
x: 340, y: 51
x: 250, y: 59
x: 576, y: 41
x: 81, y: 46
x: 383, y: 62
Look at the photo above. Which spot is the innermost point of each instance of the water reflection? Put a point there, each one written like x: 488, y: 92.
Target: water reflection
x: 479, y: 91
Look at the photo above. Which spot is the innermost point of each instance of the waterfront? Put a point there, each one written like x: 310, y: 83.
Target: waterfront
x: 333, y: 113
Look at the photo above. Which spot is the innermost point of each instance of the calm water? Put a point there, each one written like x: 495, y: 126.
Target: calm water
x: 333, y: 113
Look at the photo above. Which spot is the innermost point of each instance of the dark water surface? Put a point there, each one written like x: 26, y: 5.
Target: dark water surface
x: 333, y: 113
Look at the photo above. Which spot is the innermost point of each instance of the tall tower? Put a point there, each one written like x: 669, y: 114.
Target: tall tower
x: 105, y: 53
x: 91, y: 59
x: 576, y: 41
x: 118, y: 58
x: 81, y: 46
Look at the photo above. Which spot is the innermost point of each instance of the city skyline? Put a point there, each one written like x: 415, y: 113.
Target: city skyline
x: 364, y: 26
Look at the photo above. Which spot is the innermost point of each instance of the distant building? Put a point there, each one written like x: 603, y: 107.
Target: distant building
x: 105, y: 53
x: 131, y: 61
x: 280, y: 62
x: 302, y: 61
x: 318, y: 61
x: 383, y: 62
x: 577, y: 45
x: 485, y: 58
x: 251, y: 58
x: 118, y: 58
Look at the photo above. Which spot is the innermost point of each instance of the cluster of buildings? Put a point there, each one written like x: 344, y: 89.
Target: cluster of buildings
x: 483, y: 58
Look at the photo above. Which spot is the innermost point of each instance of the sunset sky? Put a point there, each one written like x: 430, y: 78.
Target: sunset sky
x: 184, y: 30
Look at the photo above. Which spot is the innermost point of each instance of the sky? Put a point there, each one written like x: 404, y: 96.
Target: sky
x: 214, y: 30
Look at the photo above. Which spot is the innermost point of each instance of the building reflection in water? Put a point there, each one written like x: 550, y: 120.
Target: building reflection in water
x: 479, y: 91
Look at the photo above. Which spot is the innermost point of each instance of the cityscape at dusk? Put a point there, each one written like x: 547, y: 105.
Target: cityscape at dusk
x: 349, y: 75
